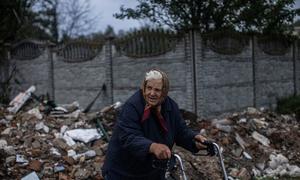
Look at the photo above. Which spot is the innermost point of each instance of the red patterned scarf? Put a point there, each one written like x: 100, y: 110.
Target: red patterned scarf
x: 159, y: 117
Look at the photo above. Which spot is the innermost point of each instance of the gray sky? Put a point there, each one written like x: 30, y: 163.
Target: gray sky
x: 106, y: 8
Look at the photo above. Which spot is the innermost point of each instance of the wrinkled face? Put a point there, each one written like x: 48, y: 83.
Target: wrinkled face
x: 153, y: 91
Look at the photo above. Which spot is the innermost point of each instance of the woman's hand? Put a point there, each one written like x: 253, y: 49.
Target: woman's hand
x: 199, y: 141
x: 160, y: 151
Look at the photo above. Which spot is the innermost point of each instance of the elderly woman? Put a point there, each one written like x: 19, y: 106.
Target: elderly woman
x: 149, y: 125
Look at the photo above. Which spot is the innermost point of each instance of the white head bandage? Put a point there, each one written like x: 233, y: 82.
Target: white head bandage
x: 153, y: 74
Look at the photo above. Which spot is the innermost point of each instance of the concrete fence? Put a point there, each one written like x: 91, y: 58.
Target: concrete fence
x: 207, y: 76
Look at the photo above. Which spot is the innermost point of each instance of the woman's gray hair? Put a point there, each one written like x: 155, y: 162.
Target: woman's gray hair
x: 153, y: 74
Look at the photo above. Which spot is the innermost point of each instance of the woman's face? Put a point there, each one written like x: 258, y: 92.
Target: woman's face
x: 153, y: 91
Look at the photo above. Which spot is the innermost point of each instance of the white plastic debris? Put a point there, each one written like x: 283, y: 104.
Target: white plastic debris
x: 20, y: 99
x: 247, y: 156
x: 55, y: 151
x: 21, y: 159
x: 260, y: 138
x: 36, y: 112
x: 31, y: 176
x: 84, y: 135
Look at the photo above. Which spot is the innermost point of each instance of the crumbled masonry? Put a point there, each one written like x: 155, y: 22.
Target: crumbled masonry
x: 64, y: 143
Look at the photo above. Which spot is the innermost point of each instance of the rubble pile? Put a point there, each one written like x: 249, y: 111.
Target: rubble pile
x: 40, y: 140
x: 256, y: 143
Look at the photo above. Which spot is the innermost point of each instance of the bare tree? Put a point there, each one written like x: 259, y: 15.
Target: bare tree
x: 75, y: 18
x: 65, y: 18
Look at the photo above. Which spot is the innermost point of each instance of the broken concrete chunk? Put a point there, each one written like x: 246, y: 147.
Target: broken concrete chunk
x: 10, y: 159
x: 237, y: 152
x: 42, y: 126
x: 221, y: 121
x: 71, y: 153
x: 277, y: 160
x: 241, y: 142
x: 69, y: 140
x: 19, y: 100
x: 9, y: 117
x: 70, y: 107
x: 84, y: 135
x: 7, y: 131
x: 256, y: 172
x: 260, y: 123
x: 260, y: 138
x: 55, y: 151
x: 59, y: 143
x: 10, y: 150
x: 36, y: 112
x: 90, y: 154
x: 3, y: 143
x: 252, y: 111
x: 63, y: 129
x: 244, y: 174
x: 294, y: 171
x: 225, y: 128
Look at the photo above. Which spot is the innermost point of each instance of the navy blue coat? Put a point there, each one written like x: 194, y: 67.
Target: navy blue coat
x: 128, y: 150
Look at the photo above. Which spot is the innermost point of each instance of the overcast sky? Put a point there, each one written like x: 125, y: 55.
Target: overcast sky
x: 106, y: 8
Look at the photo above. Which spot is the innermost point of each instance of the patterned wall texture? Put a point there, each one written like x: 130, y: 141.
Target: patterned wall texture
x: 209, y: 76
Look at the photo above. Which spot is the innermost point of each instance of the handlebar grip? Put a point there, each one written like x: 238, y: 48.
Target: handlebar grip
x: 211, y: 151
